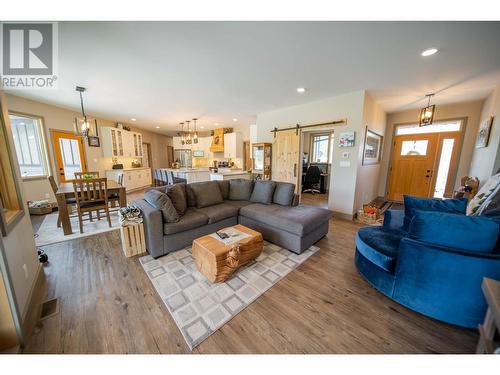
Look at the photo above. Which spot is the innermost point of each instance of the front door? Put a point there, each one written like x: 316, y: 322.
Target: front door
x: 68, y: 150
x: 413, y: 165
x: 286, y: 157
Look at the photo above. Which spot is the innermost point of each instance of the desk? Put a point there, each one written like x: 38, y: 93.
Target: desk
x: 322, y: 181
x: 66, y: 191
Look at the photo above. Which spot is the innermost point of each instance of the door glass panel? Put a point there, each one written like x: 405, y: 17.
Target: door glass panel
x: 70, y: 153
x: 444, y: 168
x: 414, y: 148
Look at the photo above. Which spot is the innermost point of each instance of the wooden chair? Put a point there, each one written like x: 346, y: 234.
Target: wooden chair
x: 170, y: 177
x: 91, y: 195
x: 70, y: 201
x: 79, y: 175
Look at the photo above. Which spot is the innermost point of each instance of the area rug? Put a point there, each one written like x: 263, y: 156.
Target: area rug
x: 49, y: 233
x: 199, y: 307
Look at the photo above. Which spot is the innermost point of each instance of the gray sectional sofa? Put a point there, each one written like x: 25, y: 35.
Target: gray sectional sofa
x: 175, y: 215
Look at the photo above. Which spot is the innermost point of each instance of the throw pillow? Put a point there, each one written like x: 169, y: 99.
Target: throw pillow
x: 207, y: 193
x: 177, y: 194
x: 468, y: 233
x: 263, y: 192
x: 240, y: 189
x: 162, y: 202
x: 284, y: 193
x: 487, y: 199
x: 411, y: 204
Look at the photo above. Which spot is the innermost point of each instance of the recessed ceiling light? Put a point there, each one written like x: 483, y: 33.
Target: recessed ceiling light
x: 216, y: 124
x: 235, y: 119
x: 429, y: 52
x: 301, y: 89
x: 133, y: 119
x: 157, y: 127
x: 202, y: 127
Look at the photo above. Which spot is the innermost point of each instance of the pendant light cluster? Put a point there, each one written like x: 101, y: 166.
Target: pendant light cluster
x: 427, y: 113
x: 83, y: 126
x: 189, y: 136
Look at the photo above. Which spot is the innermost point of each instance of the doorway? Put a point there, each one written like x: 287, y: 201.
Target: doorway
x: 146, y: 156
x: 424, y: 160
x: 69, y: 154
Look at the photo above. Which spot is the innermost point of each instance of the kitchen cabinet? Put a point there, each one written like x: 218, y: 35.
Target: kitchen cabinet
x: 118, y: 142
x: 133, y: 178
x: 233, y: 145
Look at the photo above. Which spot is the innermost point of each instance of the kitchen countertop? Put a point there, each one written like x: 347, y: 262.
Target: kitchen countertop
x: 126, y: 169
x: 229, y: 173
x: 186, y: 170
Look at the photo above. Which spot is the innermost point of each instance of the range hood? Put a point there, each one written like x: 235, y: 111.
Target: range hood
x: 217, y: 141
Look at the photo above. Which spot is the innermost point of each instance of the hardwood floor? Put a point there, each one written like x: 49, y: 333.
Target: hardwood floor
x: 108, y: 305
x: 319, y: 200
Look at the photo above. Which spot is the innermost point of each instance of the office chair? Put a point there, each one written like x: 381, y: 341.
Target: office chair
x: 312, y: 180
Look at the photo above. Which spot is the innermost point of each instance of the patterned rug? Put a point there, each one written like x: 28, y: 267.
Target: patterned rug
x: 200, y: 308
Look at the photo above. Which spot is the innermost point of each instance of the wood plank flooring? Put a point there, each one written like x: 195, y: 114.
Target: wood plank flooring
x: 108, y: 305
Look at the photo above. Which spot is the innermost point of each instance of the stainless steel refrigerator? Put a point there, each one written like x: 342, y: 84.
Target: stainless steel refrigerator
x: 183, y: 157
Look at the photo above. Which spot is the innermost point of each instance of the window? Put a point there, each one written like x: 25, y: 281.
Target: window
x: 28, y: 141
x: 437, y: 127
x: 321, y: 148
x: 414, y: 148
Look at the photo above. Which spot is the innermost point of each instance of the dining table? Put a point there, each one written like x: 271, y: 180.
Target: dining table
x: 66, y: 191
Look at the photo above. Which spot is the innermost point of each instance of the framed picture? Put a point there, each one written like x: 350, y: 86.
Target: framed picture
x: 483, y: 136
x: 347, y: 139
x: 373, y: 147
x: 94, y: 141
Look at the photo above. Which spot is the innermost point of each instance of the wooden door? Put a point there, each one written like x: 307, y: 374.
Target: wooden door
x: 286, y: 157
x: 412, y: 167
x: 69, y: 153
x: 247, y: 157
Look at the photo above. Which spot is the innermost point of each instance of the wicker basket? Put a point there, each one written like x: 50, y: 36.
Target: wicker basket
x: 40, y: 210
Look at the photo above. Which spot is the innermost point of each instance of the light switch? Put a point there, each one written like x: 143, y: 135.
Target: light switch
x: 345, y: 155
x: 345, y: 164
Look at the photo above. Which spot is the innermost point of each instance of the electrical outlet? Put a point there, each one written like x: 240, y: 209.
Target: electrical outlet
x: 25, y: 269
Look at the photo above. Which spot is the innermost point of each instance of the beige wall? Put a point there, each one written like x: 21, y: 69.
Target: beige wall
x: 368, y: 177
x: 486, y: 160
x: 469, y: 110
x: 58, y: 118
x: 350, y: 106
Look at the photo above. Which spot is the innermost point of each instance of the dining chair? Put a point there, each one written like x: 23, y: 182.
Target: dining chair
x: 163, y: 177
x: 91, y: 195
x: 69, y: 201
x: 156, y: 174
x: 114, y: 199
x: 79, y: 175
x: 170, y: 177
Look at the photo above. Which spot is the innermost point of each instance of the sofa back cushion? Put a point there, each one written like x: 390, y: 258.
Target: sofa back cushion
x: 456, y: 206
x: 177, y: 194
x: 224, y: 188
x: 162, y: 202
x: 190, y: 197
x: 468, y: 233
x: 263, y: 192
x: 284, y: 193
x: 207, y: 193
x: 240, y: 189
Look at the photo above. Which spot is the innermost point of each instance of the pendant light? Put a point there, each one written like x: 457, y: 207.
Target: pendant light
x: 183, y: 138
x: 195, y: 133
x: 427, y: 113
x: 188, y: 137
x: 82, y: 126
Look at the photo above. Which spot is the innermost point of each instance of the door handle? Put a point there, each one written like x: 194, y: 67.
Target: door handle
x: 295, y: 170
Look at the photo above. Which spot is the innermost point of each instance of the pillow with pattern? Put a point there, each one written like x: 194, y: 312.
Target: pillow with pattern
x: 487, y: 198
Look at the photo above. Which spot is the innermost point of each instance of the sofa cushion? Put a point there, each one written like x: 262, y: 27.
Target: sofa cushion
x: 224, y: 188
x: 190, y: 197
x: 177, y: 194
x: 162, y: 202
x: 468, y: 233
x: 380, y: 245
x: 263, y: 192
x: 219, y: 212
x: 299, y: 220
x: 207, y: 193
x: 284, y: 193
x: 238, y: 204
x: 457, y: 206
x: 240, y: 189
x: 191, y: 219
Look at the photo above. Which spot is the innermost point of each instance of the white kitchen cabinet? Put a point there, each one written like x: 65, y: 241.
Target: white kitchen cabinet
x: 118, y: 142
x: 233, y: 145
x: 204, y: 145
x: 133, y: 178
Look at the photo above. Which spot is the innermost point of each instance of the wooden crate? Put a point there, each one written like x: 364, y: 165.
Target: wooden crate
x: 133, y: 241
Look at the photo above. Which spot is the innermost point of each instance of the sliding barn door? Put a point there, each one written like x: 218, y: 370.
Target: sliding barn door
x: 286, y: 165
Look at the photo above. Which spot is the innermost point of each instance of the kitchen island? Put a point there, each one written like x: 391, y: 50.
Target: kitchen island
x: 229, y: 175
x: 190, y: 174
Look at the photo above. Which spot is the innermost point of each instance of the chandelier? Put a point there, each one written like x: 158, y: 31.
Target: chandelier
x: 427, y: 113
x: 83, y: 126
x: 188, y: 137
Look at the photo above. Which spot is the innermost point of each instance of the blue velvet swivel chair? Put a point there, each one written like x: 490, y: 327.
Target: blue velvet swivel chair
x: 432, y: 258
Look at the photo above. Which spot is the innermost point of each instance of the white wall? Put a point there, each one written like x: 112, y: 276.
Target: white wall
x: 350, y: 106
x: 486, y: 161
x: 367, y: 181
x: 58, y: 118
x: 469, y: 110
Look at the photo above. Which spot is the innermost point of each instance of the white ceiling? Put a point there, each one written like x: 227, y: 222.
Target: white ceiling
x: 163, y: 73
